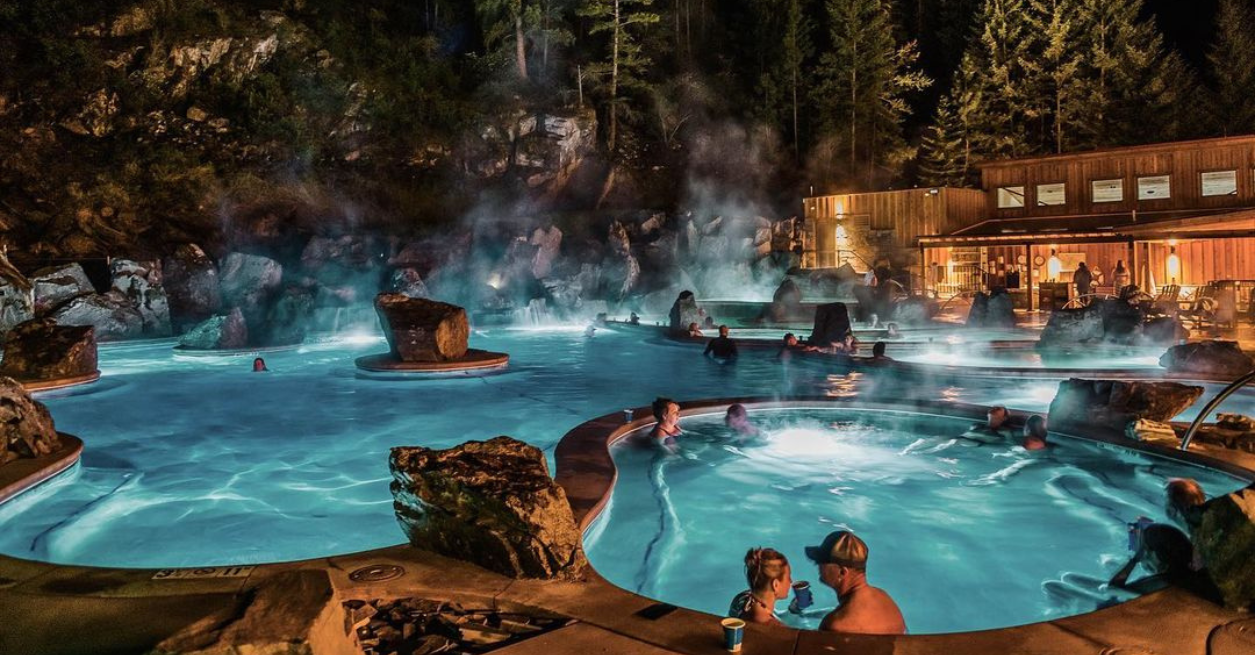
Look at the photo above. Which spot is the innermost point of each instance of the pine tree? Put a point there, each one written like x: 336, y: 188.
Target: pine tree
x: 992, y: 94
x: 944, y: 149
x: 1139, y: 91
x: 546, y: 25
x: 863, y: 83
x: 503, y: 24
x: 1055, y: 76
x: 622, y: 21
x: 795, y: 49
x: 1232, y: 60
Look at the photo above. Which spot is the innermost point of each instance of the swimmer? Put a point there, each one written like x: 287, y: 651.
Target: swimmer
x: 590, y: 331
x: 721, y: 347
x: 891, y: 331
x: 667, y: 413
x: 994, y: 429
x: 1035, y: 433
x: 259, y: 366
x: 634, y: 319
x: 738, y: 419
x: 770, y: 579
x: 862, y: 608
x: 694, y: 331
x: 878, y: 352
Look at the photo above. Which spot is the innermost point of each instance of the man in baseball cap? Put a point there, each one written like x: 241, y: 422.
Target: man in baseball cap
x: 861, y: 608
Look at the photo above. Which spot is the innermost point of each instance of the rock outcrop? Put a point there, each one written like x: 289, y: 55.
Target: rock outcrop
x: 227, y: 332
x: 286, y: 319
x: 57, y: 284
x: 26, y: 427
x: 113, y: 315
x: 684, y: 311
x: 247, y: 282
x: 1226, y: 540
x: 1223, y: 359
x: 1102, y: 321
x: 17, y: 298
x: 915, y: 310
x: 421, y: 330
x: 141, y: 284
x: 42, y: 350
x: 1109, y: 405
x: 407, y: 282
x: 191, y: 283
x: 832, y: 323
x: 994, y: 309
x: 786, y: 303
x: 490, y: 503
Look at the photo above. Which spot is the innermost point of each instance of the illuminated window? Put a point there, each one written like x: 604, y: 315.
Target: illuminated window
x: 1050, y: 195
x: 1010, y: 197
x: 1107, y: 190
x: 1220, y: 183
x: 1154, y: 187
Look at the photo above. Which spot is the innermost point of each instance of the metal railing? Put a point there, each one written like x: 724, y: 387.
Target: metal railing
x: 1211, y: 406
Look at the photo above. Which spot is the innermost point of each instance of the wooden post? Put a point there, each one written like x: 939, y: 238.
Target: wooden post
x: 1028, y: 274
x: 1132, y: 254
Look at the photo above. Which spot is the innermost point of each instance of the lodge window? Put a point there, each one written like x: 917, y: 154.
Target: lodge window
x: 1107, y: 190
x: 1154, y: 187
x: 1010, y: 197
x: 1049, y: 195
x: 1220, y: 183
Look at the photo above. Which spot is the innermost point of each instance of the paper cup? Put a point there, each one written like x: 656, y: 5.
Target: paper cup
x: 627, y: 416
x: 733, y: 634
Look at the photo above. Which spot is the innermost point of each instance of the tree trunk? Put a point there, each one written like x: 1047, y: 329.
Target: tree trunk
x: 520, y: 45
x: 797, y: 151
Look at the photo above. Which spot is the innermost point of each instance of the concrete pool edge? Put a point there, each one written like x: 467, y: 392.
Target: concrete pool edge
x: 37, y: 386
x: 22, y: 475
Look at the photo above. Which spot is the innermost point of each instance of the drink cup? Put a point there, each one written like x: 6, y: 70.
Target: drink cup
x: 627, y: 416
x: 733, y: 634
x: 802, y: 598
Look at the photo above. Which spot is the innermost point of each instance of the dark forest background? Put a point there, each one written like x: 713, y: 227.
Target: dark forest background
x: 122, y: 123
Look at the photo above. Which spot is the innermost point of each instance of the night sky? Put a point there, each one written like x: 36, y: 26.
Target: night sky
x: 1187, y: 24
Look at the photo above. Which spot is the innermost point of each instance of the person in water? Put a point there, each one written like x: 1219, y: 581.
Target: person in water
x: 721, y: 347
x: 848, y: 345
x: 1166, y: 553
x: 667, y: 413
x: 259, y: 366
x: 791, y: 345
x: 878, y: 352
x: 694, y: 331
x: 770, y: 579
x: 891, y: 331
x: 738, y: 418
x: 994, y: 429
x: 862, y: 608
x: 709, y: 323
x: 590, y: 331
x: 634, y: 319
x: 1035, y: 433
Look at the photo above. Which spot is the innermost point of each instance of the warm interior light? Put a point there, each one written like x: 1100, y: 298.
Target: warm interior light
x: 1054, y: 267
x: 1174, y: 265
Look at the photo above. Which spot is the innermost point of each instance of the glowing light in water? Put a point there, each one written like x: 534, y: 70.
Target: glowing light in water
x: 494, y: 281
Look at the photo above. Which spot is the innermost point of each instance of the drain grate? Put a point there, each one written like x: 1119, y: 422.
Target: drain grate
x: 376, y: 573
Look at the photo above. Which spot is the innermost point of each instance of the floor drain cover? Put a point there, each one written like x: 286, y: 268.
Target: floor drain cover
x: 376, y: 573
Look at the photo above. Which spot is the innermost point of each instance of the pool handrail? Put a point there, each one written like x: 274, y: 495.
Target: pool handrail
x: 1212, y: 404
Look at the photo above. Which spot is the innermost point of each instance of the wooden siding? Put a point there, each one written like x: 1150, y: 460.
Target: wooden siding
x: 886, y: 224
x: 1185, y: 162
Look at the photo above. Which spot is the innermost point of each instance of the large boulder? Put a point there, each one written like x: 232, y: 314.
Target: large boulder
x: 548, y: 243
x: 248, y: 282
x: 421, y: 330
x: 286, y: 318
x: 684, y: 311
x: 490, y: 503
x: 408, y: 282
x: 191, y: 283
x: 1110, y: 320
x: 1164, y: 331
x: 227, y: 332
x: 1112, y: 405
x: 1223, y: 359
x: 1226, y: 541
x: 113, y: 315
x: 786, y: 303
x: 42, y: 350
x: 17, y: 298
x: 832, y: 323
x: 141, y: 283
x: 56, y: 284
x: 26, y: 427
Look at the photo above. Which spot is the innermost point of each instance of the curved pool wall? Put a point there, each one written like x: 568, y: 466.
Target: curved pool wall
x: 965, y: 536
x: 587, y: 471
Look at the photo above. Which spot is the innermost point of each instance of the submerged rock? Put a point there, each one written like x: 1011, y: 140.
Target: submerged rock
x: 26, y: 427
x: 421, y: 330
x: 42, y: 350
x: 57, y: 284
x: 113, y: 315
x: 191, y: 284
x: 228, y: 332
x: 1226, y: 541
x: 1214, y: 358
x: 1113, y: 405
x: 490, y: 503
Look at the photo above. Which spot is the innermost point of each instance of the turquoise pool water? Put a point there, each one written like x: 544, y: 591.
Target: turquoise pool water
x: 963, y: 537
x: 1098, y: 358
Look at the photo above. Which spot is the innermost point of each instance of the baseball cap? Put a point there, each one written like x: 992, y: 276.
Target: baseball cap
x: 840, y: 547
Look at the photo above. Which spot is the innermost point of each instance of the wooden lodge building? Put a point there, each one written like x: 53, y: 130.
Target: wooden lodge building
x: 1173, y: 213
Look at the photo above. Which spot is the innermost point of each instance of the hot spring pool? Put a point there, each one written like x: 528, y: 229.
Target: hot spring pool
x: 963, y: 537
x: 1098, y: 358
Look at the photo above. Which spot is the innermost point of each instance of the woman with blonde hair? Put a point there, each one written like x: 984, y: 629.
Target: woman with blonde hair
x: 770, y: 579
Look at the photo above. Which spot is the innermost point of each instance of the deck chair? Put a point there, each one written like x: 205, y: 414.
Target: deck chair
x: 1166, y: 302
x: 1204, y: 307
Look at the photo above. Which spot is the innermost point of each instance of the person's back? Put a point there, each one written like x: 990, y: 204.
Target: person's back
x: 866, y: 610
x: 721, y: 347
